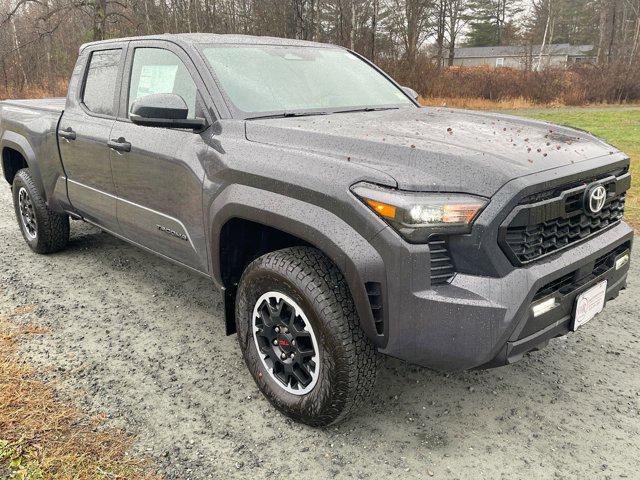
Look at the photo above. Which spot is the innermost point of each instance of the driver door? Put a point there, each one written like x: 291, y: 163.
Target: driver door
x: 158, y: 172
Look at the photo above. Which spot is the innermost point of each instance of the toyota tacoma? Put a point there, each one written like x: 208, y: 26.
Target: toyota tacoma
x: 339, y: 219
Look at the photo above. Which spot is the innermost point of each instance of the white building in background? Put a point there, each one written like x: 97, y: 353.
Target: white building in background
x: 523, y: 57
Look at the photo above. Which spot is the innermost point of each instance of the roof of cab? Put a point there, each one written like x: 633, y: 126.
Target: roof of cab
x: 200, y: 38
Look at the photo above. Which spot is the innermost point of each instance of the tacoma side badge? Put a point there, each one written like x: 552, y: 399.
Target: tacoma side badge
x: 171, y: 232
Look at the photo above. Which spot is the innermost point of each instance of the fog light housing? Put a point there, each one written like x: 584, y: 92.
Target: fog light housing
x: 621, y: 261
x: 543, y: 307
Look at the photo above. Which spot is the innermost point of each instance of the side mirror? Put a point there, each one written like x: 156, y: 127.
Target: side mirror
x: 411, y: 92
x: 164, y: 110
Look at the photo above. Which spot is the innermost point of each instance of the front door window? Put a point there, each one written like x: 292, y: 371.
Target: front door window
x: 156, y: 70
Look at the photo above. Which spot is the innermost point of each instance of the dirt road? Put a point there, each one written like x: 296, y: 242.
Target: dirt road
x: 143, y: 341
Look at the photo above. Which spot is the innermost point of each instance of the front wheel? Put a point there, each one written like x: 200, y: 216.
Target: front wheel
x: 300, y: 336
x: 44, y: 230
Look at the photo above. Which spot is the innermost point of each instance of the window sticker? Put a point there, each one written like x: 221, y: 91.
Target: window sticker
x: 156, y: 79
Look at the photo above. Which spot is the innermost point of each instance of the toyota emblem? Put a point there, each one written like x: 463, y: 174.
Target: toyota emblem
x: 595, y: 198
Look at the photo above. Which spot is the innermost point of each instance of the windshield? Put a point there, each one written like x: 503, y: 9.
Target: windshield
x: 266, y: 78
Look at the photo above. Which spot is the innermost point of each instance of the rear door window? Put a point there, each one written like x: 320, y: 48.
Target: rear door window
x: 100, y: 85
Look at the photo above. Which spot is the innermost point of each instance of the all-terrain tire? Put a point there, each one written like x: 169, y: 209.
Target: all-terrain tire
x: 50, y: 230
x: 348, y: 360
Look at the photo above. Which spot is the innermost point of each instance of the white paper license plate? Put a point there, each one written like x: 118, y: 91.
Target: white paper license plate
x: 589, y: 304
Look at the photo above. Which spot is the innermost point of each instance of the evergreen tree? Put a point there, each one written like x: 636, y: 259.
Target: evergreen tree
x: 572, y: 21
x: 491, y: 22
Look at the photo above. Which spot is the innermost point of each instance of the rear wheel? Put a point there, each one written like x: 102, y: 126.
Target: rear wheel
x: 300, y: 336
x: 44, y: 230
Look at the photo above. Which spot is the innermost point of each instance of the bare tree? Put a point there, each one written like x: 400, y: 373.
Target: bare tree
x: 544, y: 37
x: 412, y: 18
x: 374, y: 26
x: 456, y: 20
x: 16, y: 44
x: 39, y: 39
x: 441, y: 25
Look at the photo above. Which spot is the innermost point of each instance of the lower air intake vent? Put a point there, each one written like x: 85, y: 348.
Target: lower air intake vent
x: 374, y: 291
x: 442, y: 269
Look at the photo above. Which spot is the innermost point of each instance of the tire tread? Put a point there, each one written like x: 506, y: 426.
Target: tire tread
x: 327, y: 288
x: 53, y: 227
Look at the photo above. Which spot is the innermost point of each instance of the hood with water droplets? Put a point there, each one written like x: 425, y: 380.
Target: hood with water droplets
x: 436, y: 149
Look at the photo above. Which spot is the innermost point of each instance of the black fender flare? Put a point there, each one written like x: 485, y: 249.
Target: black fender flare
x: 21, y: 144
x: 356, y: 258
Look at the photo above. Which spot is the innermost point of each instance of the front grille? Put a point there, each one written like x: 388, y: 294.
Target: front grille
x: 442, y: 269
x: 533, y: 241
x: 542, y: 228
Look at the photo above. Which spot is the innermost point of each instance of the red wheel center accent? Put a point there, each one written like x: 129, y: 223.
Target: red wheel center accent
x: 284, y: 342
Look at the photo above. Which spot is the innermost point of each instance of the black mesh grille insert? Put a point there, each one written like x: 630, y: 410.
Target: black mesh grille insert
x: 558, y: 218
x: 442, y: 269
x: 533, y: 241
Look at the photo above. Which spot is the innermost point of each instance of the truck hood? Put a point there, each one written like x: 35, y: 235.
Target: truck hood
x: 435, y: 149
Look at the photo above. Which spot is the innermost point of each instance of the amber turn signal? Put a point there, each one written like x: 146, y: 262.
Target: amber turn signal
x: 388, y: 211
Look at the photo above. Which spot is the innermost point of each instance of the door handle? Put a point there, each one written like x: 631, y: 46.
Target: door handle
x: 67, y: 134
x: 119, y: 145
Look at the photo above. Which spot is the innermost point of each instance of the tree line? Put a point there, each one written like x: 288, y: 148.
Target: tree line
x: 39, y: 39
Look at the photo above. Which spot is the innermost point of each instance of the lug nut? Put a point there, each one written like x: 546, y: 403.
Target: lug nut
x: 283, y: 356
x: 275, y: 342
x: 293, y: 342
x: 291, y: 355
x: 277, y: 329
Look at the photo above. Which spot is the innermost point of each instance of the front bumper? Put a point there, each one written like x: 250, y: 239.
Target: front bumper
x: 482, y: 321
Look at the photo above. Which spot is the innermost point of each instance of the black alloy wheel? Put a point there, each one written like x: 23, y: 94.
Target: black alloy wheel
x: 286, y: 342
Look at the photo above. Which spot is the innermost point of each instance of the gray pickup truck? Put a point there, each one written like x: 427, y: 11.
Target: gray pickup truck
x: 337, y: 217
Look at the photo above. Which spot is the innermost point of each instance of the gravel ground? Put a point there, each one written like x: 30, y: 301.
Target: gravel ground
x: 143, y: 342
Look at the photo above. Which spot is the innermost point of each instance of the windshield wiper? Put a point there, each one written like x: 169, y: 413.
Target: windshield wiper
x: 367, y: 109
x: 308, y: 114
x: 286, y: 115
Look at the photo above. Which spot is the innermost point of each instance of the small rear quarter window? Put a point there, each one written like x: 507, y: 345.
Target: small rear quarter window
x: 100, y: 85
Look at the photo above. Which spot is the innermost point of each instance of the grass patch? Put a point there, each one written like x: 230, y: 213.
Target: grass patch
x: 506, y: 104
x: 621, y: 128
x: 41, y: 437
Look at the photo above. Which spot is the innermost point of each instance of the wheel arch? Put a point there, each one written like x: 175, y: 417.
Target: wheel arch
x: 16, y: 151
x: 293, y: 222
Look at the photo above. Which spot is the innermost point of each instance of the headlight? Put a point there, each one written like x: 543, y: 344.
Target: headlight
x: 417, y: 215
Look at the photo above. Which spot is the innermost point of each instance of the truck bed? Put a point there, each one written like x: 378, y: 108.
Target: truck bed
x: 44, y: 104
x: 29, y: 127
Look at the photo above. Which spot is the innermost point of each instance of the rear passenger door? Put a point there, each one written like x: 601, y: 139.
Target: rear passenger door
x: 159, y: 179
x: 84, y: 130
